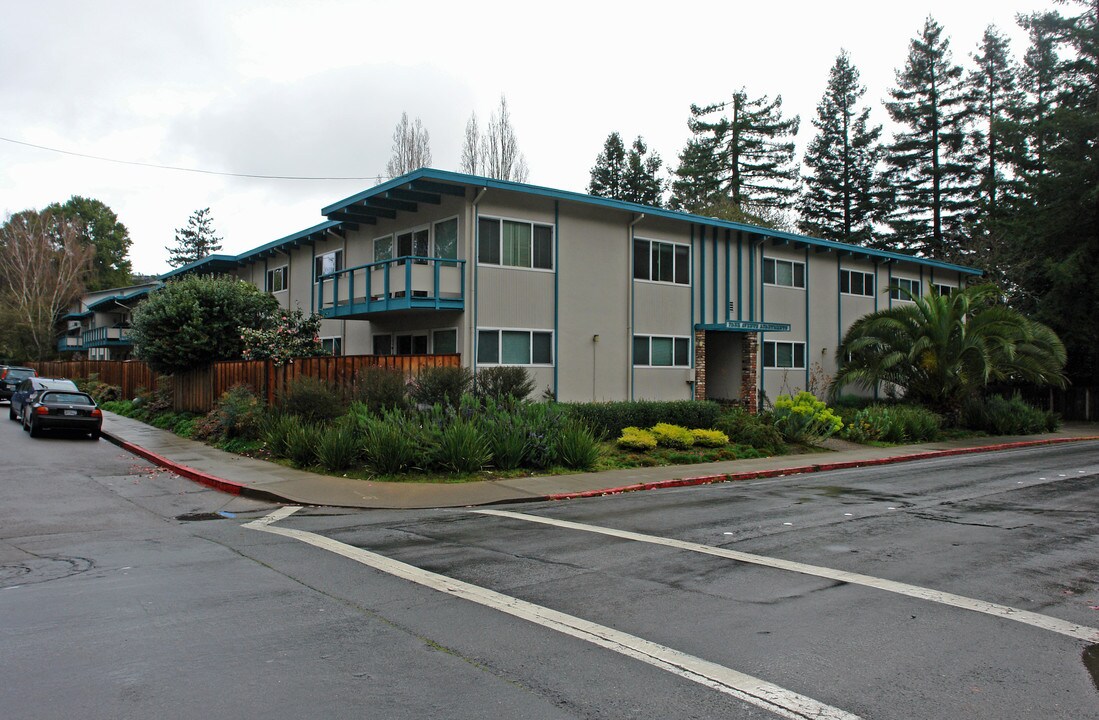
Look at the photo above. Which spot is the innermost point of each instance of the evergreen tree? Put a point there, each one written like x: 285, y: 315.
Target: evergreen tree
x: 608, y: 173
x: 746, y: 150
x: 99, y: 227
x: 841, y: 197
x: 195, y: 241
x: 631, y: 176
x: 928, y: 172
x: 1040, y: 79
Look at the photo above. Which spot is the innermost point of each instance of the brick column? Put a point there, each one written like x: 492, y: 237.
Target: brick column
x: 700, y: 364
x: 749, y: 371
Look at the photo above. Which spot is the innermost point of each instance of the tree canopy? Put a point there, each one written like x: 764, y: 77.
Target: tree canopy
x: 632, y: 176
x: 98, y: 226
x: 195, y: 241
x: 411, y: 147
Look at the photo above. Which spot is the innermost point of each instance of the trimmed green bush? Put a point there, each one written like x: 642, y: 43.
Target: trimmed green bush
x: 634, y: 438
x: 503, y: 382
x: 709, y: 438
x: 672, y: 436
x: 312, y: 399
x: 381, y: 389
x: 608, y: 419
x: 744, y: 428
x: 805, y: 419
x: 440, y: 386
x: 998, y: 415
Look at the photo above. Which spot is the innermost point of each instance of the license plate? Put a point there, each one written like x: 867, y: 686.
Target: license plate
x: 70, y: 412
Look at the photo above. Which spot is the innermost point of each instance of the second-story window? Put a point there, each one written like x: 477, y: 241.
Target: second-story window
x: 854, y: 282
x: 661, y: 261
x: 277, y: 279
x: 327, y: 263
x: 783, y: 272
x: 514, y: 244
x: 900, y: 285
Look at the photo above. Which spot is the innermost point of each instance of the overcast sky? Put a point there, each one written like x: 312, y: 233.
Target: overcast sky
x: 315, y: 89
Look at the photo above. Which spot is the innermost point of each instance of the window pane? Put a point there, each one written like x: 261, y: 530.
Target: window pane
x: 663, y: 261
x: 543, y: 247
x: 488, y: 346
x: 785, y: 355
x: 446, y: 239
x: 768, y: 271
x: 514, y: 347
x: 845, y: 281
x: 488, y: 241
x: 682, y: 352
x: 641, y: 260
x: 383, y: 248
x: 337, y: 261
x: 768, y: 354
x: 662, y: 352
x: 542, y: 348
x: 420, y: 244
x: 682, y: 264
x: 640, y: 350
x: 856, y: 283
x: 404, y: 244
x: 419, y: 344
x: 784, y: 273
x: 799, y: 355
x: 404, y: 344
x: 799, y: 274
x: 444, y: 342
x: 516, y: 246
x: 383, y: 344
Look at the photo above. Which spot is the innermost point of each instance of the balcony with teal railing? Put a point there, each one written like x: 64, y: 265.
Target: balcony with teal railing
x: 69, y: 343
x: 107, y: 337
x: 399, y: 284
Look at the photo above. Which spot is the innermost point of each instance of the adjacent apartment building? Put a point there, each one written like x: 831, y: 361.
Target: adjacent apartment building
x: 98, y: 324
x: 599, y: 299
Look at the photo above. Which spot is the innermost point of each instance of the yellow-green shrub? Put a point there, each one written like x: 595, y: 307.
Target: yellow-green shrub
x: 710, y: 438
x: 672, y: 436
x: 634, y: 438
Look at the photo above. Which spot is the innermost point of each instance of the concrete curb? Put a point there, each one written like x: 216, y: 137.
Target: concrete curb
x: 803, y: 469
x: 237, y: 488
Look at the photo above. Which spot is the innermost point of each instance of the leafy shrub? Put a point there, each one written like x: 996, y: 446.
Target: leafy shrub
x: 462, y: 448
x: 391, y: 443
x: 237, y: 414
x: 805, y: 419
x: 381, y: 389
x: 577, y: 446
x: 918, y: 422
x: 440, y: 385
x: 504, y: 382
x: 312, y: 399
x: 634, y: 438
x: 543, y: 424
x: 672, y: 436
x: 997, y: 415
x: 185, y: 426
x: 338, y: 446
x: 101, y: 392
x: 744, y: 428
x: 608, y: 419
x: 709, y: 438
x: 288, y: 334
x: 158, y: 400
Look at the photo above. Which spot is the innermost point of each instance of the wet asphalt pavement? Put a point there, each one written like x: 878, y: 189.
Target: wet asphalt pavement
x: 128, y: 592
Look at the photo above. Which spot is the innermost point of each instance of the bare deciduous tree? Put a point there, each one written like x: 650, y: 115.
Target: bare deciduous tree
x: 43, y: 263
x: 472, y: 149
x: 411, y: 147
x: 501, y: 157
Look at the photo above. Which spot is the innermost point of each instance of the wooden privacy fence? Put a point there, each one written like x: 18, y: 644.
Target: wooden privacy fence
x: 198, y: 390
x: 130, y: 375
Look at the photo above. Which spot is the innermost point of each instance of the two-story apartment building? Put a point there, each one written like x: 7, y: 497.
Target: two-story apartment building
x: 98, y: 324
x: 600, y: 299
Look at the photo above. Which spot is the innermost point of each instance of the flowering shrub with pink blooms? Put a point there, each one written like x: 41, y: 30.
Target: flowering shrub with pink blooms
x: 292, y: 334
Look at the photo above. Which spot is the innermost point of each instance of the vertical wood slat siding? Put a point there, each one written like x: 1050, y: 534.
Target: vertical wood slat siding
x: 198, y: 390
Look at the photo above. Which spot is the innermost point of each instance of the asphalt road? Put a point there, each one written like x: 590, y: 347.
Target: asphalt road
x: 972, y: 590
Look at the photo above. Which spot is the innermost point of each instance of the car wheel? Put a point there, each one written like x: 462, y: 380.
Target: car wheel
x: 11, y: 413
x: 95, y: 435
x: 24, y: 422
x: 34, y: 431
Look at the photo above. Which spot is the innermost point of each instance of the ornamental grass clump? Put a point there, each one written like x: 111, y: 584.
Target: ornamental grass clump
x: 636, y: 439
x: 506, y: 434
x: 577, y: 446
x: 805, y: 419
x: 338, y: 447
x: 275, y: 433
x: 462, y: 448
x: 709, y: 438
x: 392, y: 443
x: 301, y: 443
x: 672, y: 436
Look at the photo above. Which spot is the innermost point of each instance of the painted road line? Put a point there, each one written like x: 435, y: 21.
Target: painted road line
x: 760, y: 693
x: 1045, y: 622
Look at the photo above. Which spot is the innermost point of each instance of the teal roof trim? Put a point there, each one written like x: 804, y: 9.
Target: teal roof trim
x: 120, y: 299
x: 210, y: 263
x: 290, y: 240
x: 570, y: 196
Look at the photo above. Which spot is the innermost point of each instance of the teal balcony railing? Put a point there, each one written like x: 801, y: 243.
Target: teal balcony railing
x: 404, y: 283
x: 69, y: 343
x: 106, y: 337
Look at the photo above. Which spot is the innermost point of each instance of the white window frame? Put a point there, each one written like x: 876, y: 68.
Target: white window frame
x: 332, y: 341
x: 867, y: 292
x: 337, y: 253
x: 649, y: 255
x: 939, y: 287
x: 793, y: 274
x: 674, y: 339
x: 529, y: 331
x: 500, y: 247
x: 793, y: 356
x: 281, y: 270
x: 908, y: 283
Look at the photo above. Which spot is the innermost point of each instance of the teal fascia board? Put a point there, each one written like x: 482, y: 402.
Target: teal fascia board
x: 210, y: 263
x: 118, y: 299
x: 78, y: 316
x: 743, y: 326
x: 289, y: 240
x: 569, y: 196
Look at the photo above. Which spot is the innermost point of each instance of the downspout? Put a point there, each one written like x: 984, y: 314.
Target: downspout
x: 808, y: 344
x: 630, y: 301
x: 557, y: 294
x: 475, y: 261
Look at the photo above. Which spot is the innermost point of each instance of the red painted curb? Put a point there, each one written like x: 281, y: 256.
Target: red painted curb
x: 803, y: 469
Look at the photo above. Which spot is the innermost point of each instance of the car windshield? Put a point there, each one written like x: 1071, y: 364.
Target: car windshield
x: 63, y: 398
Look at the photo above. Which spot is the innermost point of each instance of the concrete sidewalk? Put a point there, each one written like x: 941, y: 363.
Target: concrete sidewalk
x: 257, y: 478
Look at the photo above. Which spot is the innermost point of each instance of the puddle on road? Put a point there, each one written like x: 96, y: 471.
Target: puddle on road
x: 1091, y: 662
x: 195, y: 517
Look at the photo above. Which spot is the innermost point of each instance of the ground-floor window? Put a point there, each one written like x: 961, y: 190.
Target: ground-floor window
x: 444, y: 342
x: 514, y: 347
x: 783, y: 354
x: 332, y: 345
x: 658, y: 351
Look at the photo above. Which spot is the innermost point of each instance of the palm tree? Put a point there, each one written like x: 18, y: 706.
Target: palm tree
x: 944, y: 349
